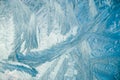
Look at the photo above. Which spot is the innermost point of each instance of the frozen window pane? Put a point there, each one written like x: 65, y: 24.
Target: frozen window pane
x: 59, y: 40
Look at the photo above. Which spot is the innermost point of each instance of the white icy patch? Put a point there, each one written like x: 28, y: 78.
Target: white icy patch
x: 43, y: 68
x: 85, y: 48
x: 6, y: 37
x: 15, y: 75
x: 56, y: 69
x: 92, y: 7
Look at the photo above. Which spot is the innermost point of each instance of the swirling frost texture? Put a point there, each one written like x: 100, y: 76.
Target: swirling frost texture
x: 59, y: 40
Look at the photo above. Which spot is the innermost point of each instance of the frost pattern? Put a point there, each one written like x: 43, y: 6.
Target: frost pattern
x: 59, y: 40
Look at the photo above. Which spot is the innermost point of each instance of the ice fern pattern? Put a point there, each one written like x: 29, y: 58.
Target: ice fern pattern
x: 59, y: 39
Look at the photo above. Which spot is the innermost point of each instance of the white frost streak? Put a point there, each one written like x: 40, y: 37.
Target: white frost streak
x: 92, y: 8
x: 6, y: 37
x: 85, y: 48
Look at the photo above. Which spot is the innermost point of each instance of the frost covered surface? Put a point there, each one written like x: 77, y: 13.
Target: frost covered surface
x: 59, y: 40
